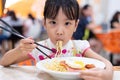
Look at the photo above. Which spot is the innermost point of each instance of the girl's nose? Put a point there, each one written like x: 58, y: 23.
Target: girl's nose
x: 60, y: 31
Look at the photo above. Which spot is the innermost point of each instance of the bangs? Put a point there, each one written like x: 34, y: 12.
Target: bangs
x: 69, y: 7
x: 70, y: 12
x: 51, y: 10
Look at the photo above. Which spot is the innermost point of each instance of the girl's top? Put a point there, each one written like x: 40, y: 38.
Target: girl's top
x: 72, y: 48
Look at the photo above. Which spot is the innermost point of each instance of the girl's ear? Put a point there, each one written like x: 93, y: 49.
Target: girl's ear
x: 76, y: 25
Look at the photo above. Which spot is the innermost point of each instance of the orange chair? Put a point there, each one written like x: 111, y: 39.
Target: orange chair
x: 111, y: 42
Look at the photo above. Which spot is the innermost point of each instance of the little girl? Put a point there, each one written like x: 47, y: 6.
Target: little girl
x: 61, y: 18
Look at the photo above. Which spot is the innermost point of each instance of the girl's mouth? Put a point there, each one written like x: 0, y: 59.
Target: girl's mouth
x: 59, y: 40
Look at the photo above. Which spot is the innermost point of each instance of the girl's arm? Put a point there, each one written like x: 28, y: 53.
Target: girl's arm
x: 19, y: 53
x: 98, y: 74
x: 13, y: 56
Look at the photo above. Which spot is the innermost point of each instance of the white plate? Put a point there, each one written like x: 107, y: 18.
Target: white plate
x: 68, y: 75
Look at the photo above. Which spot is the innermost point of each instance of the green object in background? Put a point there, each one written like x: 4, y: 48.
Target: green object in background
x: 86, y: 34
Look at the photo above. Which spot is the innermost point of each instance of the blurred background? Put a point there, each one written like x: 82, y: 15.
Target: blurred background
x: 103, y: 19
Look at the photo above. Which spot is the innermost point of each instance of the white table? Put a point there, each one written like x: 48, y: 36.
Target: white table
x: 30, y: 73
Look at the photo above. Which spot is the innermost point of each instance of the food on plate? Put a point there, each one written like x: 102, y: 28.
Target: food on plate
x: 67, y: 65
x: 55, y: 66
x: 76, y: 65
x: 89, y: 66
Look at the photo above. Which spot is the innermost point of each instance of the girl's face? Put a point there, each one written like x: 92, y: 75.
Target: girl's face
x: 60, y: 28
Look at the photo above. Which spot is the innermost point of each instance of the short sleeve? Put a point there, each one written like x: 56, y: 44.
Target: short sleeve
x: 82, y: 45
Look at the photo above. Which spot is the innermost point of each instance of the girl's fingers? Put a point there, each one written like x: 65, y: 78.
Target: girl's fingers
x: 27, y: 41
x: 29, y: 46
x: 92, y: 72
x: 27, y: 51
x: 89, y: 77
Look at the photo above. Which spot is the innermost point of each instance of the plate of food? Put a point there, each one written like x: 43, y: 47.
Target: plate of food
x: 68, y: 68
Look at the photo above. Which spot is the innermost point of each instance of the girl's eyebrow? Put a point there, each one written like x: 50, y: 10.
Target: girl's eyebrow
x: 68, y: 20
x: 64, y: 19
x: 51, y: 19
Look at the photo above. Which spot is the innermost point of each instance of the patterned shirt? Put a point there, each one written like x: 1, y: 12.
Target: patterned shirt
x: 72, y: 48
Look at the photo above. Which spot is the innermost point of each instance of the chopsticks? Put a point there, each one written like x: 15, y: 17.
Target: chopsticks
x: 9, y: 26
x: 21, y: 36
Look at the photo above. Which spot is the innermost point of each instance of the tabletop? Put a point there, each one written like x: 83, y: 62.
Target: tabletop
x: 32, y: 73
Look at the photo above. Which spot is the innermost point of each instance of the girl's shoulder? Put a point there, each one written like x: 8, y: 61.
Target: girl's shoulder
x: 81, y: 44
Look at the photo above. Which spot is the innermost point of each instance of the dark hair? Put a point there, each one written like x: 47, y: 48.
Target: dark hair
x: 69, y: 7
x: 115, y: 16
x: 31, y: 17
x: 85, y: 7
x: 115, y: 19
x: 13, y: 15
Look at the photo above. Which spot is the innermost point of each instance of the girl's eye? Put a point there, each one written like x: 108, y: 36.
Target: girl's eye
x: 67, y: 23
x: 52, y: 22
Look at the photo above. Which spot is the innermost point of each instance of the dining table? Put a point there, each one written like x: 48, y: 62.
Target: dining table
x: 15, y: 72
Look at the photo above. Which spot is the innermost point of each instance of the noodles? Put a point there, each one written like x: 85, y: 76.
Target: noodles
x: 55, y: 66
x: 59, y: 48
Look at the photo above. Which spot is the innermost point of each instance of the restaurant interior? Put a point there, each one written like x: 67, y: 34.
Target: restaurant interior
x: 104, y: 39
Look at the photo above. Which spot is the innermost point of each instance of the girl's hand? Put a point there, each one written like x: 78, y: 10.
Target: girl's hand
x: 27, y: 45
x: 96, y: 74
